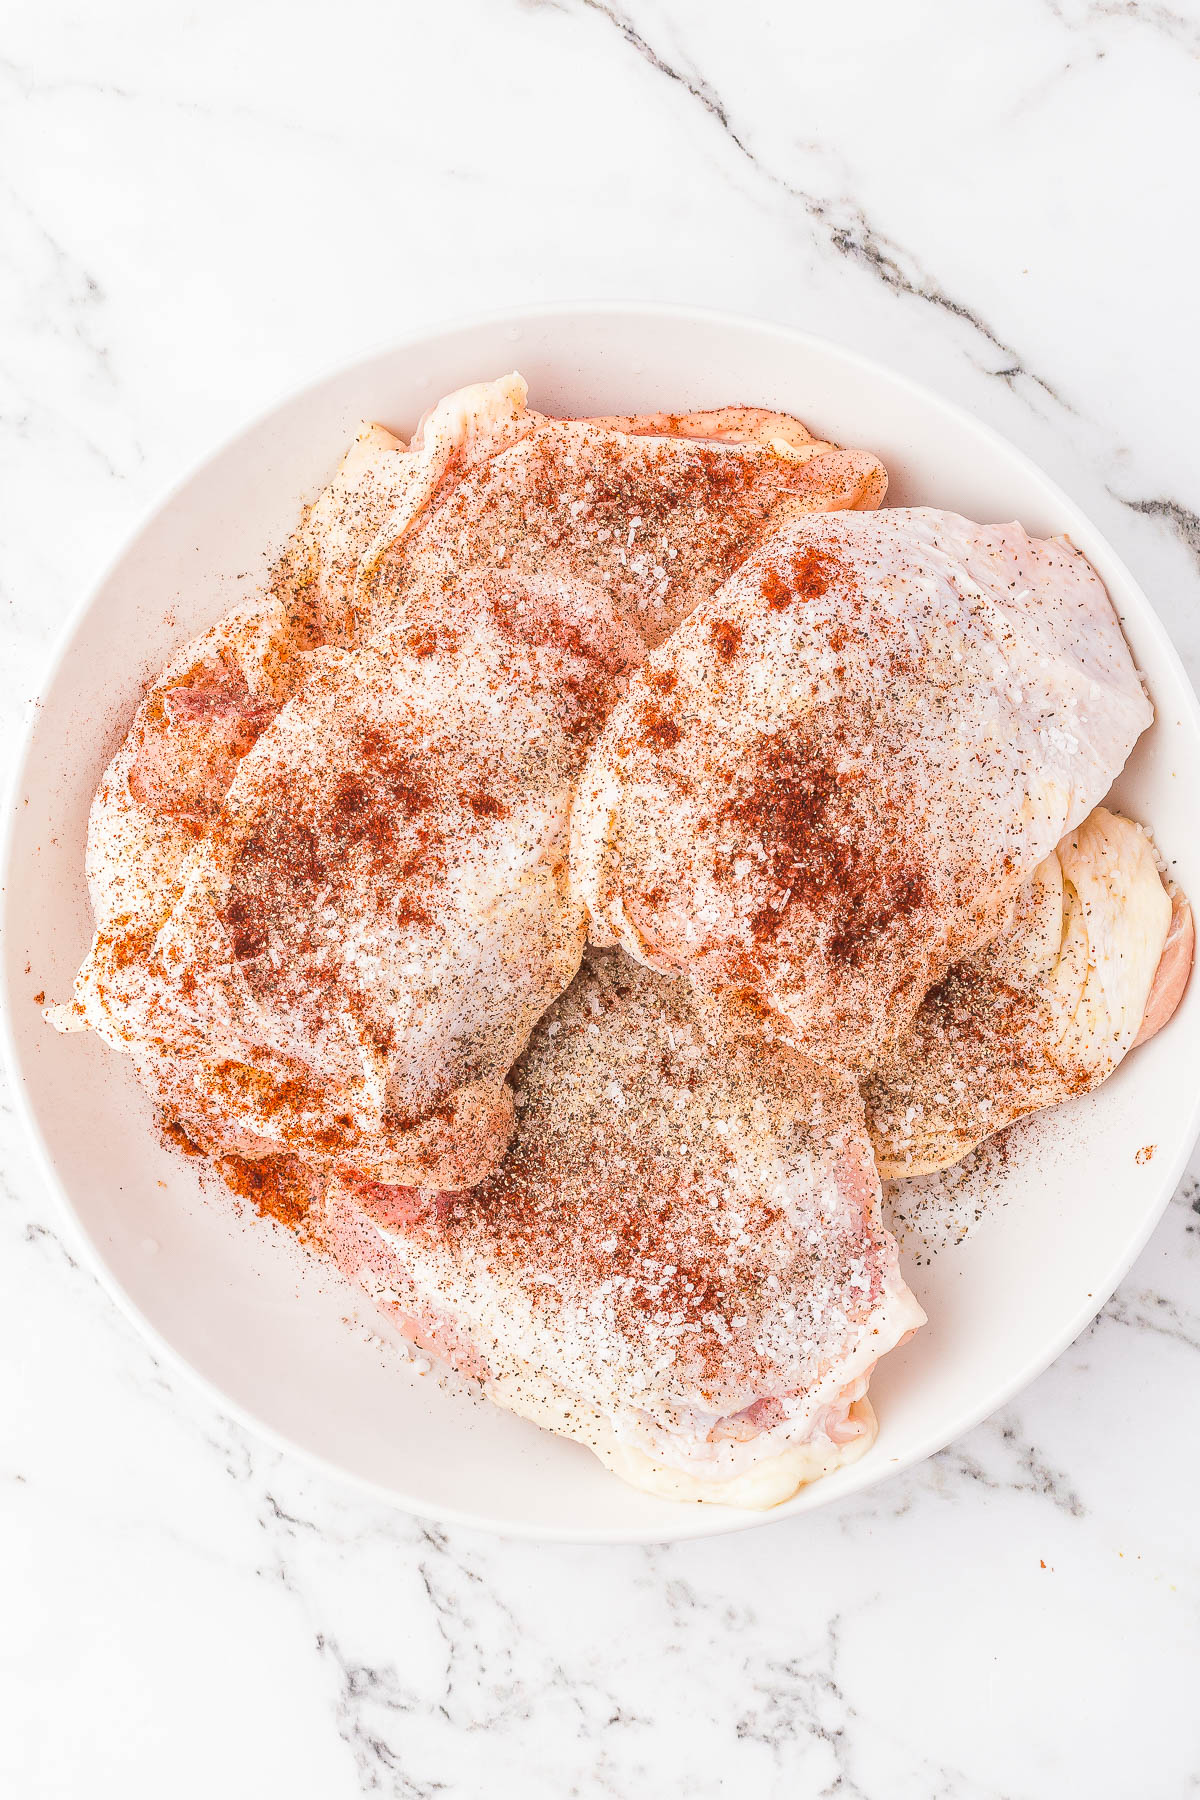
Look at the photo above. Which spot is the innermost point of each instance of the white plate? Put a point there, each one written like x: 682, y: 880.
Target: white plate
x: 264, y: 1327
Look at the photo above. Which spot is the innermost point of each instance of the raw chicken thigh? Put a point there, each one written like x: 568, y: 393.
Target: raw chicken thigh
x: 655, y: 523
x: 680, y: 1262
x: 165, y: 786
x: 381, y: 910
x: 1045, y: 1011
x: 827, y: 786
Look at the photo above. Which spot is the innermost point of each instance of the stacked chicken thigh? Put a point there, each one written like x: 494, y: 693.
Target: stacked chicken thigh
x: 606, y: 849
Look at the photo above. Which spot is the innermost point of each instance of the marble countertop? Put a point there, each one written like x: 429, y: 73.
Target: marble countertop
x: 200, y: 207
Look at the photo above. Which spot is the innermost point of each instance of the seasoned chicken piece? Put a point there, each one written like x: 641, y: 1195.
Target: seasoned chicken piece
x: 1045, y: 1011
x: 378, y: 908
x: 167, y: 782
x: 826, y: 787
x: 680, y: 1262
x: 656, y: 523
x: 381, y: 910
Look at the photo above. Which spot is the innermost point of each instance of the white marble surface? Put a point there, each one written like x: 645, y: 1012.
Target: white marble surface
x: 199, y: 207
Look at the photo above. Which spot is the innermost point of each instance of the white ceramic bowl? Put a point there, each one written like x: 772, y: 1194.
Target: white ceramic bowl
x: 263, y: 1327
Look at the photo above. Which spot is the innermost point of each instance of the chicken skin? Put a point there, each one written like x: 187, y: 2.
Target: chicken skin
x: 680, y: 1262
x: 167, y: 783
x: 1045, y: 1011
x: 827, y: 786
x: 655, y: 522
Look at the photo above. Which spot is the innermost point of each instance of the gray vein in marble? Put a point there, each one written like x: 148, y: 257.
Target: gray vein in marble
x: 1033, y: 97
x: 857, y: 239
x: 1178, y: 518
x: 1186, y: 1200
x: 694, y: 84
x: 37, y: 1233
x: 83, y: 294
x: 1177, y: 27
x: 31, y: 87
x: 686, y: 1604
x: 1040, y: 1477
x: 39, y: 411
x: 44, y: 1237
x: 801, y: 1700
x: 968, y: 1460
x: 364, y: 1690
x: 64, y: 281
x: 233, y: 1447
x: 475, y: 1697
x: 797, y: 1707
x: 283, y: 1517
x: 493, y: 1677
x: 1146, y: 1310
x: 845, y: 225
